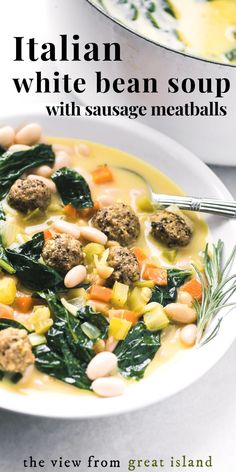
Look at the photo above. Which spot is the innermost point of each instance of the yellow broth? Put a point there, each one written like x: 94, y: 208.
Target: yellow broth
x: 126, y: 187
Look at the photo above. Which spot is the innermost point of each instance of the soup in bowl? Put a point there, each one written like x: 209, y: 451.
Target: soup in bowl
x: 98, y: 287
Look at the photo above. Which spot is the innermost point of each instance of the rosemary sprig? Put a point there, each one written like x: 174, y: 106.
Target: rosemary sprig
x: 217, y: 288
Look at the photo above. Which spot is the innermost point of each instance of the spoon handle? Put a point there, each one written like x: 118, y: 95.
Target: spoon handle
x: 204, y: 205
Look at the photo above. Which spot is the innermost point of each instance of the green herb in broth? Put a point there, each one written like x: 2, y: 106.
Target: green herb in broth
x: 4, y: 262
x: 73, y: 188
x: 231, y: 55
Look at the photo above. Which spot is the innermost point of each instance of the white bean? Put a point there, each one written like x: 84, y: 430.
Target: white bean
x: 50, y: 184
x: 108, y: 386
x: 83, y: 149
x: 105, y: 200
x: 29, y: 134
x: 7, y: 136
x: 93, y: 234
x: 62, y: 147
x: 180, y: 312
x: 18, y: 147
x: 188, y: 335
x: 62, y: 160
x: 43, y: 171
x: 185, y: 297
x: 75, y: 276
x: 62, y: 226
x: 101, y: 365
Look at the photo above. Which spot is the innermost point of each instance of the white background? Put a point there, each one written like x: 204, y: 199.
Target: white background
x: 198, y: 422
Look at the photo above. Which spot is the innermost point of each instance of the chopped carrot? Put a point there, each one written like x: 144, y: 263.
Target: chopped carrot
x: 124, y: 315
x: 140, y: 255
x: 102, y: 175
x: 71, y: 211
x: 6, y: 311
x: 157, y: 274
x: 24, y: 303
x: 194, y: 288
x: 47, y: 234
x: 103, y: 294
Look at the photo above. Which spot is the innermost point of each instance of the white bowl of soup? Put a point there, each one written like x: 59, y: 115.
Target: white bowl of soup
x: 199, y: 42
x: 101, y: 344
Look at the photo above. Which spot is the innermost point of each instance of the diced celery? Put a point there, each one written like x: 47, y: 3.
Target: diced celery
x: 137, y: 300
x: 33, y: 215
x: 69, y: 306
x: 170, y: 255
x: 156, y: 319
x: 119, y: 328
x: 77, y: 293
x: 91, y: 250
x: 7, y: 290
x: 145, y: 283
x: 119, y: 294
x: 37, y: 339
x: 144, y: 204
x: 8, y: 232
x: 90, y: 330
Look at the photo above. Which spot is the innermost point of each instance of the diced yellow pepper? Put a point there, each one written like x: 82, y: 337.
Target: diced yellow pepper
x: 156, y: 319
x: 144, y: 204
x: 42, y: 326
x: 138, y: 299
x: 119, y: 294
x: 7, y: 290
x: 40, y: 320
x: 145, y: 283
x: 119, y: 328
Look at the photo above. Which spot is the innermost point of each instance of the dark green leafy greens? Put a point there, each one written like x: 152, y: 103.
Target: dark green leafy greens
x: 73, y: 188
x: 33, y: 274
x: 8, y: 323
x: 68, y: 350
x: 168, y: 294
x: 2, y: 150
x: 231, y: 55
x: 4, y: 262
x: 14, y: 164
x: 137, y: 350
x: 2, y: 213
x: 32, y: 248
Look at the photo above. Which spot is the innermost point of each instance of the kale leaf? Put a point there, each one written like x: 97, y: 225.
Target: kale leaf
x: 168, y: 294
x: 33, y: 274
x: 32, y: 248
x: 14, y: 164
x: 68, y: 350
x: 137, y: 350
x: 8, y: 323
x: 2, y: 213
x: 72, y: 188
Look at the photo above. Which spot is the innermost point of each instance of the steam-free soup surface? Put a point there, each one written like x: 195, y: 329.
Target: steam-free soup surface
x: 205, y: 28
x: 126, y: 187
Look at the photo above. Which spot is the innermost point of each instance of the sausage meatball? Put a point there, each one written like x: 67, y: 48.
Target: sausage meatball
x: 171, y: 229
x: 15, y: 350
x: 118, y: 222
x: 28, y: 194
x: 62, y: 252
x: 125, y: 265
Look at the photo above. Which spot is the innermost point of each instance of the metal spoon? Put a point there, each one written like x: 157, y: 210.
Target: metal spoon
x: 203, y: 205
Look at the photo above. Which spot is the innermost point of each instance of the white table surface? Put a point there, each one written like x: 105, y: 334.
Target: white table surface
x: 198, y: 422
